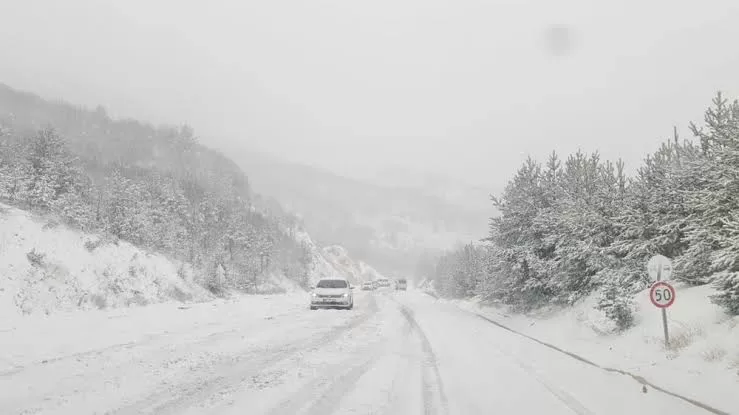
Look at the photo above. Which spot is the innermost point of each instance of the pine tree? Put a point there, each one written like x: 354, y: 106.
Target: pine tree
x: 15, y: 170
x: 53, y: 169
x: 713, y: 235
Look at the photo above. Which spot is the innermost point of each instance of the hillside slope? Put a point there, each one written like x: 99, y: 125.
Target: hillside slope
x: 156, y: 187
x: 46, y: 267
x: 335, y: 261
x: 356, y: 271
x: 387, y: 226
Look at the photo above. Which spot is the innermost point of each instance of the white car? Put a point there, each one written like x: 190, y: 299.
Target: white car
x: 332, y: 293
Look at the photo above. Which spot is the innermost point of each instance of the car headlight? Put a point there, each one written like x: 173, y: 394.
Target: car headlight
x: 346, y: 295
x: 314, y: 295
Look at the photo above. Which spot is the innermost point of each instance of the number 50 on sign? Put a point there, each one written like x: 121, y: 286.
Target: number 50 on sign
x: 662, y: 294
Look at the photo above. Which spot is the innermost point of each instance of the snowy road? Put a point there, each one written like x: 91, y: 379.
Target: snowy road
x: 395, y: 353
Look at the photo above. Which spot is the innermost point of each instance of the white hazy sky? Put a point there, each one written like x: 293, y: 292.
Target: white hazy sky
x: 464, y: 88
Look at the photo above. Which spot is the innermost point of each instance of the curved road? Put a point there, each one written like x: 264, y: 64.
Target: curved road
x: 395, y: 353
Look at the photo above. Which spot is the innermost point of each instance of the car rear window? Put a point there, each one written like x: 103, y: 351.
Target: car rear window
x: 332, y: 284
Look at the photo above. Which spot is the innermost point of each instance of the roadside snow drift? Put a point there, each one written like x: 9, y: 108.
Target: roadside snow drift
x: 702, y: 361
x: 46, y: 267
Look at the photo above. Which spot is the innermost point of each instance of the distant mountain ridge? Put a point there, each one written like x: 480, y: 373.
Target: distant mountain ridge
x: 387, y: 226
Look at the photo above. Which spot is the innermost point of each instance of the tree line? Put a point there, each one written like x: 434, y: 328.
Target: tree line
x: 155, y: 187
x: 568, y: 228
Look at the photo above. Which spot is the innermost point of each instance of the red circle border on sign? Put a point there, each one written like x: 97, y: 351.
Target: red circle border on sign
x: 661, y: 284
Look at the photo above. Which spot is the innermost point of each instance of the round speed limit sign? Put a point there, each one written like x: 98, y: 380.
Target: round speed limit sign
x: 662, y: 294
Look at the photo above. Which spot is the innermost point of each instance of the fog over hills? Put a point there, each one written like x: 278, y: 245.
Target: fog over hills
x: 388, y: 223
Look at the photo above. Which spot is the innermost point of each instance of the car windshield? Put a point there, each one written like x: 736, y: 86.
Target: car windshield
x: 332, y: 284
x: 198, y: 181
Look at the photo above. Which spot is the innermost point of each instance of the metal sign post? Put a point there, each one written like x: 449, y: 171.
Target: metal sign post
x: 661, y: 293
x: 664, y: 317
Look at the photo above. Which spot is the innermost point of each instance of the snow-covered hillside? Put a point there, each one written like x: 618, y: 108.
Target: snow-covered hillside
x: 47, y: 267
x: 335, y: 261
x: 354, y: 270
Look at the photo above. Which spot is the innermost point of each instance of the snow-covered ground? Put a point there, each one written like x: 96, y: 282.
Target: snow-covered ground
x: 702, y: 361
x: 69, y: 343
x: 47, y: 268
x: 395, y: 353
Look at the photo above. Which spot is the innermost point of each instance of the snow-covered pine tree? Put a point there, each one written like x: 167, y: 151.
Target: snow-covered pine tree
x: 521, y: 243
x: 713, y: 235
x: 15, y: 170
x: 656, y: 213
x: 580, y: 225
x: 54, y: 169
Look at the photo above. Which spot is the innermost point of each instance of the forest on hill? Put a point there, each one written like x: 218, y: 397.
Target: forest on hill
x: 576, y: 226
x: 157, y: 187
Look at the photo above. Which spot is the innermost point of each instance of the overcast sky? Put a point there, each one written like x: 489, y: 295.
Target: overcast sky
x: 465, y: 88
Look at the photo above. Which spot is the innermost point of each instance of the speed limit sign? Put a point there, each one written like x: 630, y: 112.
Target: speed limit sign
x: 662, y: 294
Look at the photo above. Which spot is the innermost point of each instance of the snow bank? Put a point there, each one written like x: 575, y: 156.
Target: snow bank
x: 702, y: 361
x: 47, y: 267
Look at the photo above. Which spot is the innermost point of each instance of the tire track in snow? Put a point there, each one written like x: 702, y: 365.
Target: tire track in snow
x: 330, y: 389
x: 165, y: 336
x: 570, y: 401
x: 338, y: 382
x: 161, y: 349
x: 229, y: 376
x: 397, y: 396
x: 637, y: 378
x: 434, y: 396
x: 73, y: 376
x: 188, y: 335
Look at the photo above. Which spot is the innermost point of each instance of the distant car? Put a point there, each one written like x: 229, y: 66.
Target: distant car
x: 332, y: 293
x: 402, y: 284
x: 383, y: 282
x: 368, y: 286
